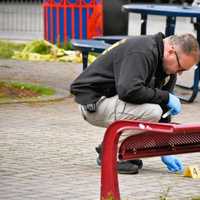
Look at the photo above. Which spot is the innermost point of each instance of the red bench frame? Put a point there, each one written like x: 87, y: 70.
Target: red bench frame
x: 156, y: 139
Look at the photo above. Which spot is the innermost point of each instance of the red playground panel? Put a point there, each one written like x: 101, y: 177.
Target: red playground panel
x: 69, y: 19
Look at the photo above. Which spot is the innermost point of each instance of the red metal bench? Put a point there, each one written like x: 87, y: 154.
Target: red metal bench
x: 156, y: 139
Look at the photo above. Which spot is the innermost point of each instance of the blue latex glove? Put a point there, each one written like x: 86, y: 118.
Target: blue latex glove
x: 173, y: 164
x: 174, y: 104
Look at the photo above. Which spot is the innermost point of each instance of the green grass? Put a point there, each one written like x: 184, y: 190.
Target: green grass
x: 7, y: 48
x: 40, y: 90
x: 35, y: 88
x: 196, y: 198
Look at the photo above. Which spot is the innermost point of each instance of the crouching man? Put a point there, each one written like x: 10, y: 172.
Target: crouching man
x: 134, y: 79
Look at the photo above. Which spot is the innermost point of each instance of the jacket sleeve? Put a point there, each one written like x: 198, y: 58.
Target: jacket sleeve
x: 169, y: 86
x: 132, y: 84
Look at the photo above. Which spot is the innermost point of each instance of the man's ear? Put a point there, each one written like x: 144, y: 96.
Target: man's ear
x: 170, y: 50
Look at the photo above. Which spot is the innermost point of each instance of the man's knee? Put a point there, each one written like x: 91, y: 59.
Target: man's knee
x: 155, y: 112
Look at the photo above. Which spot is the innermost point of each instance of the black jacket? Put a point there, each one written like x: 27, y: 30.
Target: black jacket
x: 131, y: 68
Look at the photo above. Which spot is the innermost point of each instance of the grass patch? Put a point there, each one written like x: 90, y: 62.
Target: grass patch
x: 41, y: 90
x: 7, y: 48
x: 196, y: 198
x: 16, y: 90
x: 41, y: 50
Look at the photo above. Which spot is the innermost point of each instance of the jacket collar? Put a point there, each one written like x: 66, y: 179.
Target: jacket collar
x: 160, y: 46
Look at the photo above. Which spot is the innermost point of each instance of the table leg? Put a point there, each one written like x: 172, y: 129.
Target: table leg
x: 85, y: 59
x: 170, y: 29
x: 195, y: 87
x: 170, y: 25
x: 197, y: 70
x: 143, y: 24
x: 195, y: 84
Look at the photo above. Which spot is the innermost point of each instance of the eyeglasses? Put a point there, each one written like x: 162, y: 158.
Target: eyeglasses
x: 178, y: 61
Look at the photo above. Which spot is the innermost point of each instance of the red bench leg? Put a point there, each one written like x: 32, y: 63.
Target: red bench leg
x: 109, y: 176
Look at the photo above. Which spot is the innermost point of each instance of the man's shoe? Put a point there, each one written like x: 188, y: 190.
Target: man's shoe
x: 124, y: 167
x: 138, y: 162
x: 127, y: 167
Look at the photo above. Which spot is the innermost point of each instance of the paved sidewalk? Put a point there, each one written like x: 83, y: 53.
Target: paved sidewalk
x: 47, y: 150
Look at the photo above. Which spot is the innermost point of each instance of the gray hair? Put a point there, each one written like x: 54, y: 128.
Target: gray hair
x: 187, y: 43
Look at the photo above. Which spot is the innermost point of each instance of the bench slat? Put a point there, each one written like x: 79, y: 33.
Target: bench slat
x: 150, y: 144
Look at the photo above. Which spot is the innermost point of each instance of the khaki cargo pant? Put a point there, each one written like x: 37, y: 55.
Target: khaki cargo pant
x: 112, y: 109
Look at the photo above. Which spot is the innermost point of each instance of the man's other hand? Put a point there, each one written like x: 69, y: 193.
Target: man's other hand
x: 173, y: 164
x: 174, y: 104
